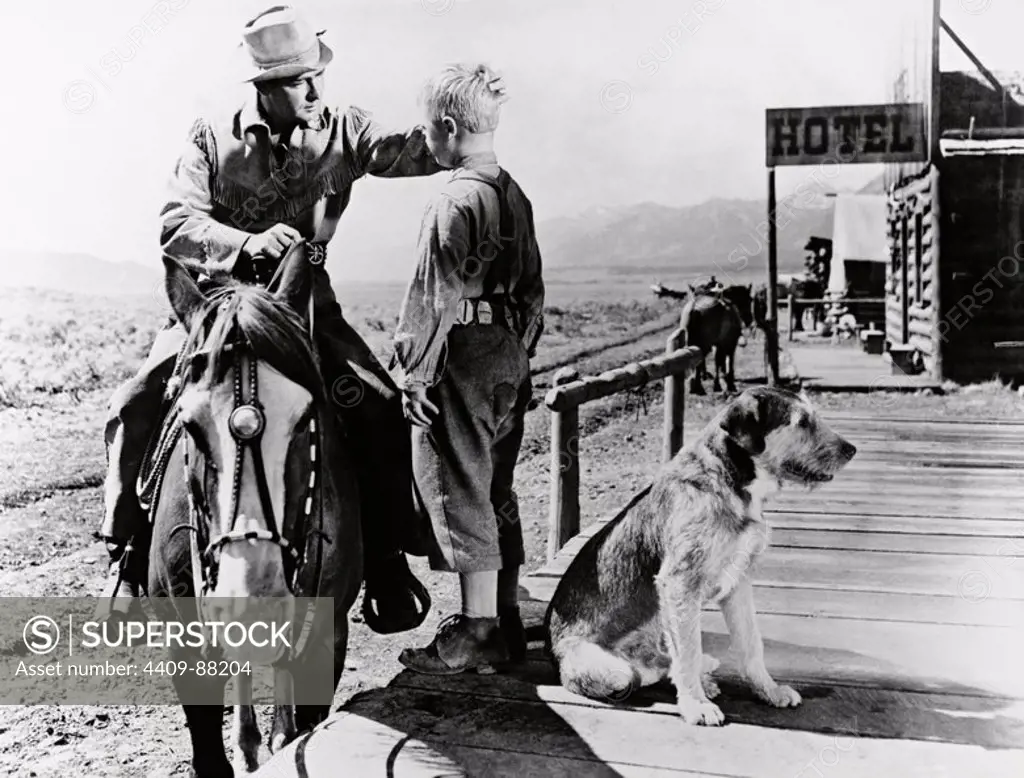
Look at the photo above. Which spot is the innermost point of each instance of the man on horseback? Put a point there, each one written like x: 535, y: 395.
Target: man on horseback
x: 249, y: 185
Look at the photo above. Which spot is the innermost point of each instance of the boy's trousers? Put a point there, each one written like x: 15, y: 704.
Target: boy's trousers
x: 464, y: 464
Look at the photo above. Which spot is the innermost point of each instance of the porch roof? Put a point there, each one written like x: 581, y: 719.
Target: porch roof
x: 984, y: 147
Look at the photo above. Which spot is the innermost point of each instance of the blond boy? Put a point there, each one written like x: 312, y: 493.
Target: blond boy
x: 471, y: 319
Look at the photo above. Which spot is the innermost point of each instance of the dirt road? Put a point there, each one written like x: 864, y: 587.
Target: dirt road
x: 51, y: 468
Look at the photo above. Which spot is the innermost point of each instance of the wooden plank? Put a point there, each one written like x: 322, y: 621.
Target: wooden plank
x: 890, y: 474
x: 954, y: 445
x: 950, y: 718
x: 645, y: 740
x: 909, y: 507
x: 924, y: 431
x: 989, y: 506
x: 885, y: 525
x: 969, y: 432
x: 859, y: 484
x: 845, y: 604
x: 981, y: 661
x: 967, y: 437
x: 915, y: 543
x: 923, y: 420
x: 924, y: 491
x: 354, y: 745
x: 1001, y: 578
x: 880, y: 519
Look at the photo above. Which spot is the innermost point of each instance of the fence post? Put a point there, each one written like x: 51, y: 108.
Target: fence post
x: 564, y: 517
x: 790, y: 315
x: 675, y: 402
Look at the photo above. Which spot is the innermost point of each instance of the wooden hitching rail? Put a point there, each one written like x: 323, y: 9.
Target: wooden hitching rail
x: 847, y: 301
x: 570, y: 392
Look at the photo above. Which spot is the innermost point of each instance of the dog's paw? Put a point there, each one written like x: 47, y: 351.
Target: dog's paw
x: 705, y: 714
x: 780, y: 696
x: 711, y: 689
x: 708, y: 664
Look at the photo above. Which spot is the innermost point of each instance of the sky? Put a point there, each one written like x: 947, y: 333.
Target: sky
x: 611, y: 103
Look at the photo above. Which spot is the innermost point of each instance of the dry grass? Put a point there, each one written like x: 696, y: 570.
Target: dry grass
x: 55, y: 343
x: 52, y: 343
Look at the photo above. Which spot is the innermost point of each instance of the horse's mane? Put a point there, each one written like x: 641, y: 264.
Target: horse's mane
x: 273, y: 331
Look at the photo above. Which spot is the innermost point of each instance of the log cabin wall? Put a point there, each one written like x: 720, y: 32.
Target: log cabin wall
x: 980, y: 225
x: 955, y: 280
x: 910, y: 311
x: 982, y: 267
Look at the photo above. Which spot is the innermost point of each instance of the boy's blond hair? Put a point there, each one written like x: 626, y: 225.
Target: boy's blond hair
x: 471, y: 94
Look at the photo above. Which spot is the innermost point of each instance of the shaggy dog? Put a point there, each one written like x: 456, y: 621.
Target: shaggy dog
x: 626, y: 614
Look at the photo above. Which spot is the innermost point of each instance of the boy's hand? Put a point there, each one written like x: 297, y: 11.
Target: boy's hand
x: 417, y: 408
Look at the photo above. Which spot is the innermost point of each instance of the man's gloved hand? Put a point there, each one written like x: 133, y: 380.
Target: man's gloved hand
x: 263, y: 251
x: 394, y: 597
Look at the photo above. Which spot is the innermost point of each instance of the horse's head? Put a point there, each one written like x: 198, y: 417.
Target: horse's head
x: 250, y: 405
x: 740, y: 296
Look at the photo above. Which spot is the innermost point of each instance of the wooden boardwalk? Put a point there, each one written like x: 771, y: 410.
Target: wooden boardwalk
x: 891, y: 598
x: 845, y: 367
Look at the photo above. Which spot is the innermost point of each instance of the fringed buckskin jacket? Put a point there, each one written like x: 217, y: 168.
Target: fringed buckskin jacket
x: 234, y: 179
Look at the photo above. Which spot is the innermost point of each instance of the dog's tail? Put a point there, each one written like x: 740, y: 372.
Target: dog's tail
x: 591, y: 671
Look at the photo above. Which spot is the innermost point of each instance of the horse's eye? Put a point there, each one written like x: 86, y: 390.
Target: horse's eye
x: 196, y: 366
x: 199, y: 438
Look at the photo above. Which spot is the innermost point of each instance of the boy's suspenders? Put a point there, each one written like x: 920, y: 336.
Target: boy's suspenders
x: 501, y: 270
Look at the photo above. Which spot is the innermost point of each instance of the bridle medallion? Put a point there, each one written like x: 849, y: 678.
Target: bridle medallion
x: 246, y: 422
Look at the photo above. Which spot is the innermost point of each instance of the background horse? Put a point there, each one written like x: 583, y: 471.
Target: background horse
x: 711, y: 321
x: 811, y: 289
x: 742, y: 300
x: 256, y: 502
x: 760, y: 306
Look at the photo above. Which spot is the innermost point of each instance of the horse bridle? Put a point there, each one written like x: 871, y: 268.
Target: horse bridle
x: 247, y: 422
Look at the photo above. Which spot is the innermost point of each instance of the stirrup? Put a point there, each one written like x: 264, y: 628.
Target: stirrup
x: 115, y: 604
x: 385, y: 623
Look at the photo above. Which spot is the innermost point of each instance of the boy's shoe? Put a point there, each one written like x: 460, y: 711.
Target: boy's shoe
x: 513, y: 631
x: 462, y: 643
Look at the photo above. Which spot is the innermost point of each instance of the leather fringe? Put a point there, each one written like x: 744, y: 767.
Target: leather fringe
x: 270, y: 202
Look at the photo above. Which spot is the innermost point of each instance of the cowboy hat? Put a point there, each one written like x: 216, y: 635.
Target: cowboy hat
x: 279, y: 43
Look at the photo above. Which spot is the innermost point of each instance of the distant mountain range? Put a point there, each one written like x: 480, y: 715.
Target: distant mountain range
x: 646, y: 235
x: 718, y: 232
x: 77, y: 273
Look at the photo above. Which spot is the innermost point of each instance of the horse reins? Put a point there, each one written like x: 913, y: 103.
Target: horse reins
x: 247, y: 423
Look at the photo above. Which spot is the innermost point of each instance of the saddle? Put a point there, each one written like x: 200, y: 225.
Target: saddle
x: 161, y: 443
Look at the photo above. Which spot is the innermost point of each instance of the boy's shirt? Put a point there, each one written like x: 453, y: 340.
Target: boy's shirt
x: 461, y: 237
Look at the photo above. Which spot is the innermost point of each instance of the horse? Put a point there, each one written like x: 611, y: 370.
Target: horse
x: 760, y: 306
x: 709, y: 287
x: 739, y: 295
x: 256, y: 505
x: 712, y: 321
x: 808, y: 288
x: 742, y: 299
x: 716, y: 326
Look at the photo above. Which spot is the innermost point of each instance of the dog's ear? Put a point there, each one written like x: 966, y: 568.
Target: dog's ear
x: 744, y: 423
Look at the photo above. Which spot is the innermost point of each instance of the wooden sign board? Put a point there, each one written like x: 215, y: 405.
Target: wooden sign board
x: 854, y: 134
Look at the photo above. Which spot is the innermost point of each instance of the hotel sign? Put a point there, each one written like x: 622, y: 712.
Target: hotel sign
x: 889, y: 132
